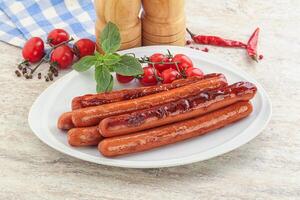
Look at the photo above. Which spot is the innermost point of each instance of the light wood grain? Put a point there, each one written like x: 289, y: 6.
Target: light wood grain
x: 127, y: 35
x: 266, y: 168
x: 164, y: 11
x: 123, y: 13
x: 163, y: 21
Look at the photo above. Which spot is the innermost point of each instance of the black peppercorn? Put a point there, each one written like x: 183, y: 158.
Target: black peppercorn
x: 18, y: 73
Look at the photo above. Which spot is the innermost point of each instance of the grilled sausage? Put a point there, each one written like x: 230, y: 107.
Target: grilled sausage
x: 201, y: 103
x: 153, y: 138
x: 90, y: 100
x: 93, y: 115
x: 87, y: 136
x: 65, y: 121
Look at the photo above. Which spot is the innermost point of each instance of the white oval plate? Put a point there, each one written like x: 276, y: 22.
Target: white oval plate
x: 56, y: 99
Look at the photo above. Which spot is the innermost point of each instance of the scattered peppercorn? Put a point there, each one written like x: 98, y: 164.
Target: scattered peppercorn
x: 205, y: 49
x: 18, y: 73
x: 50, y: 76
x: 26, y: 76
x: 46, y: 79
x: 39, y: 75
x: 24, y: 71
x: 260, y: 57
x: 20, y: 67
x: 188, y: 42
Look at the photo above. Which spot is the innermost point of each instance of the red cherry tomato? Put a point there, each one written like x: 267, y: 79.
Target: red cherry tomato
x: 62, y: 56
x: 194, y: 72
x: 33, y: 50
x: 170, y: 75
x: 158, y: 57
x: 84, y: 47
x: 57, y: 36
x: 124, y: 79
x: 149, y: 76
x: 184, y: 62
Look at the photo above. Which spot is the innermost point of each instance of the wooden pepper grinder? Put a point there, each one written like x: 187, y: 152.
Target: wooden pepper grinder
x: 163, y: 22
x: 123, y: 13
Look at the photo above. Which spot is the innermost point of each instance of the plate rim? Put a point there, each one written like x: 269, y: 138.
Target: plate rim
x: 223, y: 148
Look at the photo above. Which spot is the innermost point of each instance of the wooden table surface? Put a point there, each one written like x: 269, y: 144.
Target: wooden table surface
x: 268, y: 167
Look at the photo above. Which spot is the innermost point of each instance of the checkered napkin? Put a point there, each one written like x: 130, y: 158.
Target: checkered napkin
x: 23, y: 19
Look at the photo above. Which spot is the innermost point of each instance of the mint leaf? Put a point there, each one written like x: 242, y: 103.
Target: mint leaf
x: 111, y: 59
x: 85, y: 63
x: 98, y: 55
x: 128, y: 66
x: 111, y: 84
x: 110, y: 38
x: 103, y: 78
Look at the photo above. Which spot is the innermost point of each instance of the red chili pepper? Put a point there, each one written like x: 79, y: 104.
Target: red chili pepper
x: 252, y: 45
x: 216, y: 41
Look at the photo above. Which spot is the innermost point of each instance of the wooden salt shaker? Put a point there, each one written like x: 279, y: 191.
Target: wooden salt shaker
x: 163, y: 22
x: 123, y: 13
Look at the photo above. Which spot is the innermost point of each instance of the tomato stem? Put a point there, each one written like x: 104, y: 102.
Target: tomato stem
x: 44, y: 59
x: 181, y: 73
x: 169, y: 54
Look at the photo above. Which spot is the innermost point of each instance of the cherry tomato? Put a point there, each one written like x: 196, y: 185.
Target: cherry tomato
x: 33, y: 50
x: 158, y: 57
x: 124, y: 79
x: 62, y: 56
x: 194, y: 72
x: 84, y: 47
x: 57, y: 36
x: 149, y: 76
x: 184, y: 62
x: 170, y: 75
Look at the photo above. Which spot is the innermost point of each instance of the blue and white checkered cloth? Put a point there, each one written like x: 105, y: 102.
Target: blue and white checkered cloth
x: 23, y: 19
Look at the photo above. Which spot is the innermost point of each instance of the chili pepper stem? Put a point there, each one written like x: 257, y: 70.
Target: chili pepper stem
x: 255, y: 58
x: 190, y: 32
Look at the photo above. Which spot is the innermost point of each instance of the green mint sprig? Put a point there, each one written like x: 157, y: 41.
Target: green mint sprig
x: 111, y: 61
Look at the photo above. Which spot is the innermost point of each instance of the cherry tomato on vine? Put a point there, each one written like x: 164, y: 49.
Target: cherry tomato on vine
x: 184, y: 62
x: 57, y: 36
x: 194, y: 72
x: 158, y: 57
x: 149, y: 77
x: 62, y: 56
x: 170, y: 75
x: 124, y: 79
x: 84, y: 47
x: 33, y: 50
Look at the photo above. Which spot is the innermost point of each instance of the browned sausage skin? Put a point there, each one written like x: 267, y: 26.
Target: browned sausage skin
x: 168, y: 134
x: 201, y: 103
x: 93, y: 115
x: 90, y: 100
x: 65, y: 121
x: 87, y: 136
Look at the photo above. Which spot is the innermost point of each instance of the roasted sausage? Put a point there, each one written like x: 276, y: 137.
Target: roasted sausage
x: 201, y: 103
x: 65, y: 121
x: 93, y: 115
x: 126, y: 94
x: 175, y: 132
x: 87, y: 136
